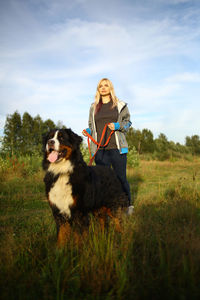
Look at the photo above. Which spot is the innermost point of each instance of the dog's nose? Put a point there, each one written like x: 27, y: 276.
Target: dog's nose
x: 51, y: 142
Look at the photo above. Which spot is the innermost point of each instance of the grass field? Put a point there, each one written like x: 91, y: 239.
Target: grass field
x: 157, y: 255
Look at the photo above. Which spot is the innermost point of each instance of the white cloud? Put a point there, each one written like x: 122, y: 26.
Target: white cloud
x: 185, y: 77
x: 154, y: 92
x: 178, y: 1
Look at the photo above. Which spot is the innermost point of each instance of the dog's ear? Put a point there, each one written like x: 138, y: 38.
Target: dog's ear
x: 75, y: 139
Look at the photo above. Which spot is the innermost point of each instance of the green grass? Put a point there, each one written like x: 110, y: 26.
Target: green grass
x: 157, y: 255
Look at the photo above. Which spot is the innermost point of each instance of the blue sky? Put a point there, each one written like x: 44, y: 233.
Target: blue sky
x: 53, y: 53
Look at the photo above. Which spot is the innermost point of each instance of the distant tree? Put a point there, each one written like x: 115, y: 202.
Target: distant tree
x: 130, y: 137
x: 1, y: 141
x: 12, y: 134
x: 134, y: 138
x: 38, y: 130
x: 182, y: 148
x: 147, y: 141
x: 27, y: 134
x: 138, y: 140
x: 48, y: 125
x: 172, y: 146
x: 177, y: 147
x: 141, y: 141
x: 193, y: 143
x: 162, y: 147
x: 162, y: 143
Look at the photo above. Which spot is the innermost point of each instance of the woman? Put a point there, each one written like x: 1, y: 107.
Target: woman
x: 107, y: 108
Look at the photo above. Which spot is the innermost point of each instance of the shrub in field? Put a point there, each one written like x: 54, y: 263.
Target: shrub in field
x: 133, y: 158
x: 85, y: 153
x: 4, y: 163
x: 19, y: 166
x: 32, y: 163
x: 161, y: 155
x: 9, y: 165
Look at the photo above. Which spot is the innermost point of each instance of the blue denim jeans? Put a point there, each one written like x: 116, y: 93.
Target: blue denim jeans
x: 118, y: 162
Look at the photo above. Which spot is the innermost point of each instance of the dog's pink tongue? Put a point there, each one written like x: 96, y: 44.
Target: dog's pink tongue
x: 53, y: 156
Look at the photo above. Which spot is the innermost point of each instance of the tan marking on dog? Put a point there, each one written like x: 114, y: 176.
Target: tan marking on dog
x: 69, y: 151
x: 63, y: 234
x: 102, y: 218
x: 75, y: 201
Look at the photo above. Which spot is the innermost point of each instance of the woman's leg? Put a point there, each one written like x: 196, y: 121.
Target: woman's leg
x: 103, y: 158
x: 118, y: 162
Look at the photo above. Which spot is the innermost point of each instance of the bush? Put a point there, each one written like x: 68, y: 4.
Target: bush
x: 161, y: 155
x: 133, y: 158
x: 85, y: 153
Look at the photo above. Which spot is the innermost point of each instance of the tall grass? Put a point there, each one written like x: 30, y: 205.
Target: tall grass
x: 157, y: 255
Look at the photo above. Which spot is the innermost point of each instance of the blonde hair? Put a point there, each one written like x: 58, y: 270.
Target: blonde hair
x: 112, y: 94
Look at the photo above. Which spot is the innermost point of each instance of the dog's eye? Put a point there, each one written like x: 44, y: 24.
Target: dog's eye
x: 60, y: 137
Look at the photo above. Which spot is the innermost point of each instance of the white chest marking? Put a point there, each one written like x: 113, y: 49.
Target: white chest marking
x: 61, y: 194
x: 62, y: 167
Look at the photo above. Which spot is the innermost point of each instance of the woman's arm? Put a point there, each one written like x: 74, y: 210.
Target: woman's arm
x: 123, y: 123
x: 89, y: 129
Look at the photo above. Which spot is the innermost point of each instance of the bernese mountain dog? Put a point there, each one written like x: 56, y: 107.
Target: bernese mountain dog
x: 74, y: 189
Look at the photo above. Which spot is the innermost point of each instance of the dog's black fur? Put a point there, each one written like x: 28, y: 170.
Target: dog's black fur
x: 73, y: 188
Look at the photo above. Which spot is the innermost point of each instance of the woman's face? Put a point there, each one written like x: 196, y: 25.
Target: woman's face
x: 104, y: 88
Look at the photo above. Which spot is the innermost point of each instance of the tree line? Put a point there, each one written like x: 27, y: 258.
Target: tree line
x: 143, y: 141
x: 23, y: 135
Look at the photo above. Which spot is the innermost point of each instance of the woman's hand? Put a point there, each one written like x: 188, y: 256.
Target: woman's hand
x: 84, y: 133
x: 111, y: 126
